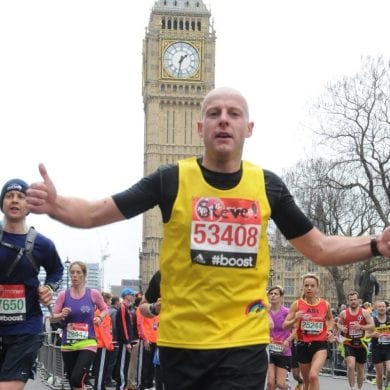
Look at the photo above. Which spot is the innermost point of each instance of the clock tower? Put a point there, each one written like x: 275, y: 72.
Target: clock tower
x: 178, y: 71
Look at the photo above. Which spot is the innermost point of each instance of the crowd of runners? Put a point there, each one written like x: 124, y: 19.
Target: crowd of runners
x: 302, y: 336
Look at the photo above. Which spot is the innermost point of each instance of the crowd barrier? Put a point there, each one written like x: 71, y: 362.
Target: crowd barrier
x: 335, y: 365
x: 51, y: 368
x: 50, y: 364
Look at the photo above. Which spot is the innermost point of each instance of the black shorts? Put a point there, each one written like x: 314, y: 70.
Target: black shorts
x: 17, y: 356
x: 281, y: 361
x: 223, y: 369
x: 294, y: 358
x: 359, y: 353
x: 380, y: 353
x: 306, y: 351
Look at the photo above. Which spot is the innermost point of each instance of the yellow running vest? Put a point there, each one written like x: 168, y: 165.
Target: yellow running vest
x: 215, y: 263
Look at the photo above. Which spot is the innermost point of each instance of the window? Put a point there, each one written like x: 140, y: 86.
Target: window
x: 311, y: 267
x: 289, y: 265
x: 288, y: 286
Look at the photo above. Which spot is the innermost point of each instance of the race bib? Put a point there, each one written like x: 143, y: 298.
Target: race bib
x: 355, y: 331
x: 225, y: 232
x: 384, y: 339
x: 312, y: 327
x: 276, y: 348
x: 12, y: 303
x: 76, y: 331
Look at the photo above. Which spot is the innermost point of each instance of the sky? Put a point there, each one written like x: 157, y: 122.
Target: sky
x: 71, y: 97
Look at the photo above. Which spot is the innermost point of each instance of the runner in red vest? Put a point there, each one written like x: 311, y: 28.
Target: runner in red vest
x: 312, y: 318
x: 353, y: 323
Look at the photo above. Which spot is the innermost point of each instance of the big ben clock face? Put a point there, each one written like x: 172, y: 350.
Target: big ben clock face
x: 181, y: 60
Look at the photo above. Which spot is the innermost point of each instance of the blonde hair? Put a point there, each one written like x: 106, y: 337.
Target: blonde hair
x: 311, y: 276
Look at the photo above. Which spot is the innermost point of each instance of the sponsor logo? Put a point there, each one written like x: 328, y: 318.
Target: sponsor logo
x: 237, y: 262
x: 217, y: 209
x: 199, y: 259
x: 256, y: 307
x: 85, y: 309
x: 14, y: 186
x: 11, y: 318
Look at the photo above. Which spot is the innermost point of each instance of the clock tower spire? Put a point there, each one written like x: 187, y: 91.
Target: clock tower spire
x: 178, y: 71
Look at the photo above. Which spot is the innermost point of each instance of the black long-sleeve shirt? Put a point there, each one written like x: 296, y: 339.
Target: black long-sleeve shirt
x: 161, y: 187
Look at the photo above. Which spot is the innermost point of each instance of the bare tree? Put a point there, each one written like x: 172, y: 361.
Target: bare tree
x: 349, y: 191
x: 355, y: 126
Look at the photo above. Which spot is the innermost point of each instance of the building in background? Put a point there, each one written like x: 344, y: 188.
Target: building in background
x: 94, y: 276
x: 178, y: 71
x: 288, y: 266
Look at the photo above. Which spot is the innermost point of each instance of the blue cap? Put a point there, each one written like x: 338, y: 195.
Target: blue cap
x: 127, y: 291
x: 12, y: 185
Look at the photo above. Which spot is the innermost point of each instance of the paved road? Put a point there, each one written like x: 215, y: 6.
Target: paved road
x: 327, y: 382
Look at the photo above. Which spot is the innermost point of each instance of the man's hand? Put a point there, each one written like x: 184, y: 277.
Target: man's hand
x: 45, y: 295
x: 157, y: 306
x: 41, y: 196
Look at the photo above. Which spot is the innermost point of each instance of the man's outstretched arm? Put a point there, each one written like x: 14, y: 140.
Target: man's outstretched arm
x: 42, y: 198
x: 339, y: 250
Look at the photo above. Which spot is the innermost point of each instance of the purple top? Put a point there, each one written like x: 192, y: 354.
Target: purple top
x: 278, y: 334
x: 79, y: 322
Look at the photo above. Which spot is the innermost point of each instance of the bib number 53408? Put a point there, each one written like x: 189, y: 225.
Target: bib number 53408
x: 228, y: 234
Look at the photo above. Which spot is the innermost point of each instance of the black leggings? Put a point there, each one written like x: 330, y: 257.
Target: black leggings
x: 77, y: 365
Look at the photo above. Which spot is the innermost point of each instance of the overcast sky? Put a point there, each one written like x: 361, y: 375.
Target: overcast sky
x: 70, y: 93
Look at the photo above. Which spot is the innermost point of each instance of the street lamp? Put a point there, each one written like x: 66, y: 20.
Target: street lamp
x: 67, y: 265
x: 271, y: 275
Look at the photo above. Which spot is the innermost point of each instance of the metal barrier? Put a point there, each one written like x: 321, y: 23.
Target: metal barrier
x: 50, y: 364
x: 335, y: 365
x: 51, y: 367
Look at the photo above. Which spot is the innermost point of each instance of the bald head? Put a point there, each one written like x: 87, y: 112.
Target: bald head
x: 224, y: 92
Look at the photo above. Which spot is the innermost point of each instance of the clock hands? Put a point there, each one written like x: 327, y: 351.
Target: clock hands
x: 182, y: 58
x: 181, y: 62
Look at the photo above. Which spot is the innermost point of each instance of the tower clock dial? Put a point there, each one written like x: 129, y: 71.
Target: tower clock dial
x: 181, y: 60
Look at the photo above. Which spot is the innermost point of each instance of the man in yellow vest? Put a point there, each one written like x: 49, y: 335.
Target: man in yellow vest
x: 214, y: 257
